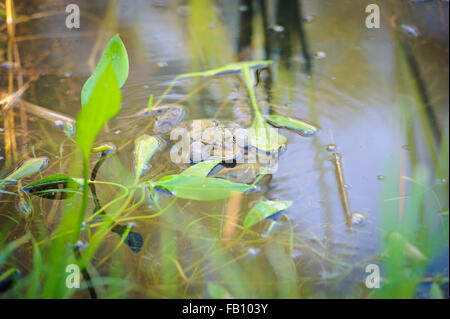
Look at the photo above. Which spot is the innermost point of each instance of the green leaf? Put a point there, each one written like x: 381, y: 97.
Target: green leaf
x: 200, y: 188
x: 238, y: 68
x: 292, y: 124
x: 410, y: 251
x: 114, y: 53
x: 9, y: 278
x: 103, y: 105
x: 144, y: 148
x: 264, y: 209
x: 264, y: 137
x: 201, y: 169
x: 52, y: 185
x: 26, y: 169
x: 106, y: 148
x: 436, y: 291
x: 232, y: 68
x: 218, y: 292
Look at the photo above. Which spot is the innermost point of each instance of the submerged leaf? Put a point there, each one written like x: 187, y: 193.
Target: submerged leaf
x: 103, y: 105
x: 24, y: 207
x: 115, y: 54
x: 291, y: 123
x: 200, y: 188
x: 263, y: 210
x: 52, y: 186
x: 218, y: 292
x: 144, y: 148
x: 410, y: 251
x: 201, y: 169
x: 8, y: 278
x: 133, y: 240
x: 436, y: 291
x: 26, y: 169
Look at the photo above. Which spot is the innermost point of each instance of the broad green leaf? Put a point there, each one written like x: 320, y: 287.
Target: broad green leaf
x: 292, y: 124
x: 114, y: 53
x: 103, y: 105
x: 201, y: 168
x: 53, y: 185
x: 264, y: 209
x: 26, y: 169
x: 264, y: 137
x: 218, y: 292
x: 144, y: 148
x: 200, y: 188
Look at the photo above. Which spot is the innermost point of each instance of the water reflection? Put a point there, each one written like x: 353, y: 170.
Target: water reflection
x: 328, y: 69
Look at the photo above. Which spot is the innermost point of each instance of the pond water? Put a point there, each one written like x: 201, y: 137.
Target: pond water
x: 329, y: 70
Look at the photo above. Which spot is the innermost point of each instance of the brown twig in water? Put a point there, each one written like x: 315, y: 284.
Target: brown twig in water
x: 47, y: 114
x: 231, y: 217
x: 19, y: 79
x: 11, y: 99
x: 340, y: 176
x: 62, y: 35
x: 10, y: 138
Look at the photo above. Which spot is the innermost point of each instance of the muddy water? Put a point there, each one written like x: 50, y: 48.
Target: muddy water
x: 329, y: 70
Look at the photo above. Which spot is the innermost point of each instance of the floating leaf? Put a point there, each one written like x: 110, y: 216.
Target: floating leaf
x: 57, y: 186
x: 103, y: 105
x: 232, y: 68
x: 218, y: 292
x: 26, y: 169
x: 292, y: 124
x: 115, y: 54
x: 229, y: 69
x: 105, y: 149
x: 201, y: 169
x: 264, y: 137
x: 200, y: 188
x: 144, y: 148
x: 263, y: 210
